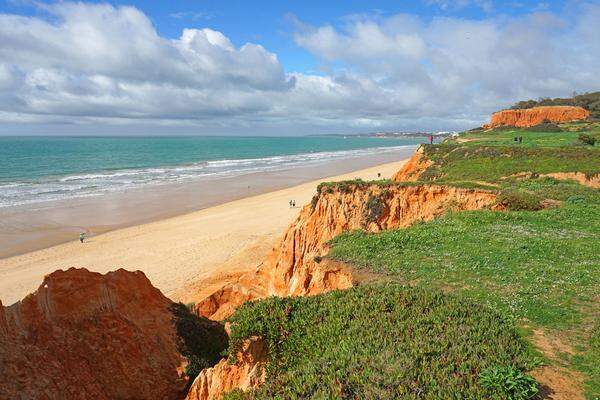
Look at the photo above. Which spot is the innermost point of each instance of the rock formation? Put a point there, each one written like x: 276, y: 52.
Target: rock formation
x: 537, y: 115
x: 293, y: 268
x: 414, y: 167
x: 83, y: 335
x: 247, y: 372
x: 592, y: 181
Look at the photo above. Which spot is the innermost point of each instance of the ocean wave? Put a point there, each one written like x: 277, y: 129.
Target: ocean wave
x: 99, y: 182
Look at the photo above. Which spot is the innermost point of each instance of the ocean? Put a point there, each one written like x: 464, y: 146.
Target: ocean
x: 40, y: 169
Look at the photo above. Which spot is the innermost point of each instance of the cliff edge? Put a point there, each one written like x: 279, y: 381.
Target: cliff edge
x: 533, y: 116
x: 294, y: 267
x: 84, y: 335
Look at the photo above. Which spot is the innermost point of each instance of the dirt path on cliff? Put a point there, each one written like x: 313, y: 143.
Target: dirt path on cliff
x: 202, y: 248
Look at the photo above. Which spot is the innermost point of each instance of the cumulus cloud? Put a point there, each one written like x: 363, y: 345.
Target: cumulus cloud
x: 102, y: 65
x: 453, y: 68
x: 98, y: 60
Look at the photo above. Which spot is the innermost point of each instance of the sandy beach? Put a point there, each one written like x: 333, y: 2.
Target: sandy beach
x: 184, y: 256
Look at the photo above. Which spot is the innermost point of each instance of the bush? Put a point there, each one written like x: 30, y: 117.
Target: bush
x: 314, y: 201
x: 576, y: 200
x: 517, y: 200
x: 195, y: 365
x: 235, y: 394
x: 201, y: 340
x: 587, y: 139
x: 508, y: 383
x: 544, y: 127
x: 374, y: 209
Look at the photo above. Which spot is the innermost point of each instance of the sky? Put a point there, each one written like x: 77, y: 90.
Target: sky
x: 285, y: 67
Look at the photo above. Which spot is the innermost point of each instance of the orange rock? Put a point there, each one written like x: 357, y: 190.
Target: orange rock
x: 412, y: 170
x: 3, y: 322
x: 83, y: 335
x: 247, y: 372
x: 537, y: 115
x: 293, y: 267
x: 583, y: 179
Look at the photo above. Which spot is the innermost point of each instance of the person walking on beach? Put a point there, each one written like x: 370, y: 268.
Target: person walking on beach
x: 82, y: 237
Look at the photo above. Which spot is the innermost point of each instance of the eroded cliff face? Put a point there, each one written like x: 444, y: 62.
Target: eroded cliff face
x: 583, y: 179
x: 537, y: 115
x: 247, y: 372
x: 293, y: 268
x: 296, y: 268
x: 83, y: 335
x: 414, y: 167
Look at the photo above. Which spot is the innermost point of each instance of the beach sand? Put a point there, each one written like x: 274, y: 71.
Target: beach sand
x: 184, y: 256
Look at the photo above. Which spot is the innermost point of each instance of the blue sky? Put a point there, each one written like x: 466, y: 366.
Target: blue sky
x: 285, y: 67
x: 271, y: 22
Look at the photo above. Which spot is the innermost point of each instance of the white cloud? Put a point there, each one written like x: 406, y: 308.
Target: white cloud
x: 191, y: 15
x: 104, y: 65
x: 454, y: 68
x: 486, y: 5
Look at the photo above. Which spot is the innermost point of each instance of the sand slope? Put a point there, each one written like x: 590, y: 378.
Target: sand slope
x: 183, y: 256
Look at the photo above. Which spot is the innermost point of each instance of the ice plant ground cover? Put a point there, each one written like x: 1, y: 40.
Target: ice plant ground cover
x: 508, y: 277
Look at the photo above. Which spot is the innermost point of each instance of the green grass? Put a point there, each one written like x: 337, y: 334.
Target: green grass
x: 505, y: 137
x: 496, y: 163
x: 588, y: 361
x: 539, y: 267
x: 529, y: 267
x: 381, y: 341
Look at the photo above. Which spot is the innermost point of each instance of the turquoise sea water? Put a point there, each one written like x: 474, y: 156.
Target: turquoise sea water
x: 37, y: 169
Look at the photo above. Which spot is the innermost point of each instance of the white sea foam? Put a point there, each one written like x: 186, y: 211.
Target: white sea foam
x: 97, y: 183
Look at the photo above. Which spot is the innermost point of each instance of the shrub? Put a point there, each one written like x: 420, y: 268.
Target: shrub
x: 235, y: 394
x: 587, y: 139
x: 517, y: 200
x: 544, y: 127
x: 201, y: 340
x: 314, y: 201
x: 374, y: 209
x: 195, y: 365
x: 576, y: 200
x: 507, y: 382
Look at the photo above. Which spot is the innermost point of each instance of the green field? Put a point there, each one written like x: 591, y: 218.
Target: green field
x: 534, y: 269
x: 381, y: 341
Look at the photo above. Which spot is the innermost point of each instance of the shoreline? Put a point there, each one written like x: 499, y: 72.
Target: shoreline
x: 42, y: 225
x: 177, y: 253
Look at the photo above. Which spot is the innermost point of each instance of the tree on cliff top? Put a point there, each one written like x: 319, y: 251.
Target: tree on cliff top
x: 589, y: 101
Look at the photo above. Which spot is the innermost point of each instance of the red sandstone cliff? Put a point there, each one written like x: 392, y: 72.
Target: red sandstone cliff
x: 536, y: 115
x: 83, y: 335
x: 414, y: 167
x: 292, y: 268
x: 247, y: 372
